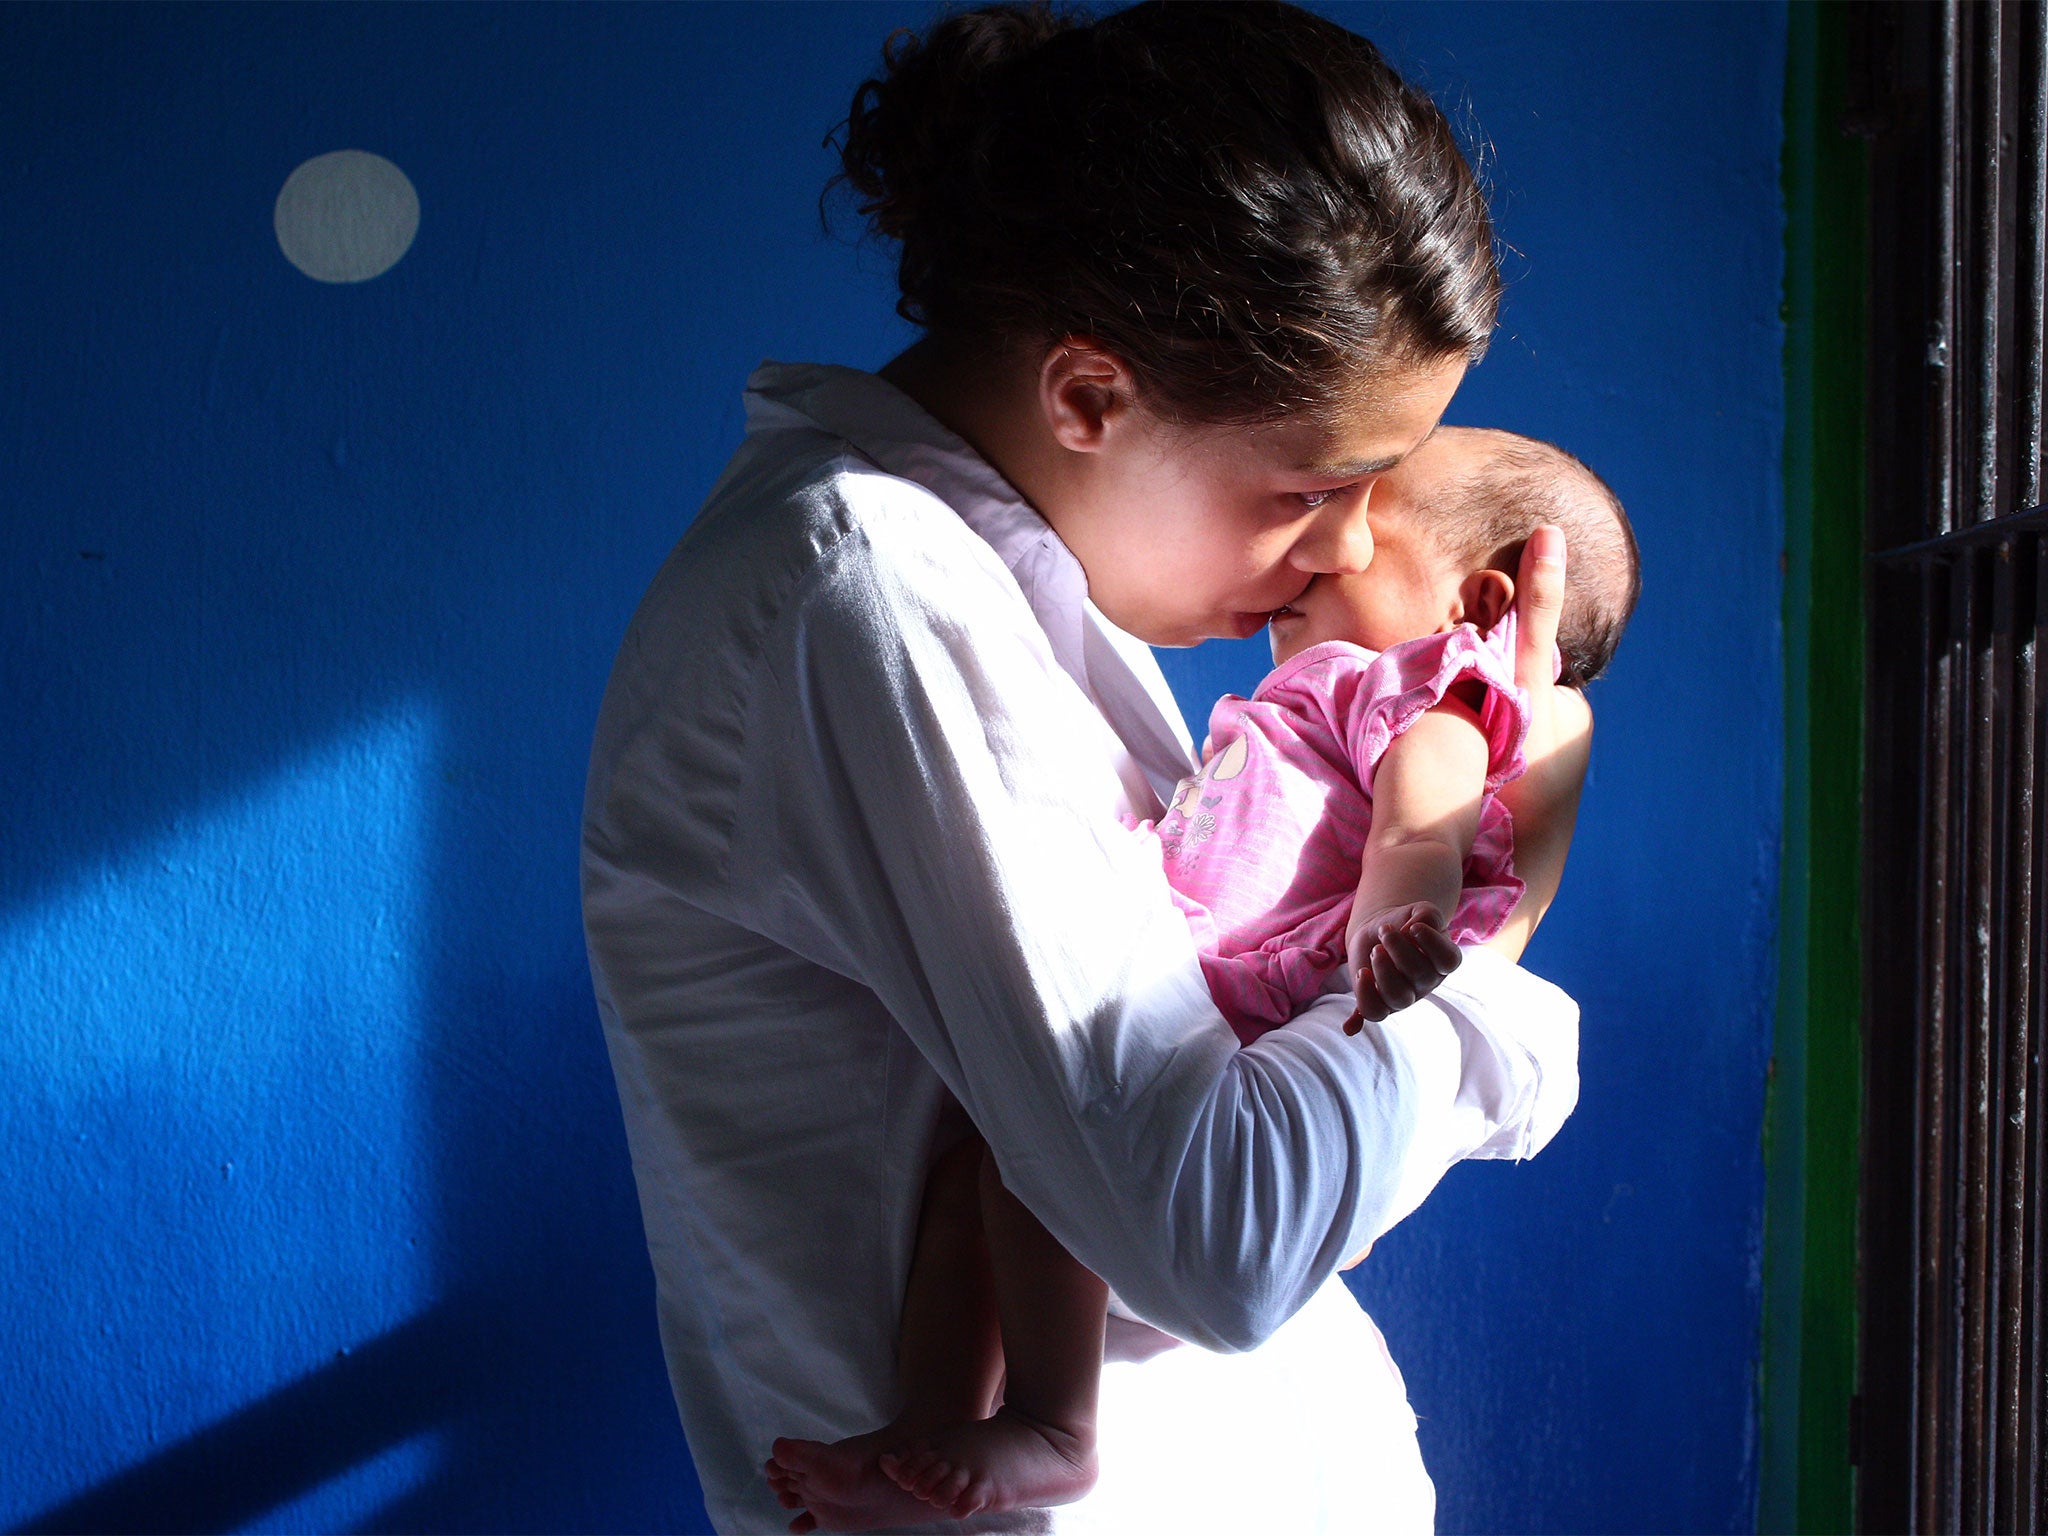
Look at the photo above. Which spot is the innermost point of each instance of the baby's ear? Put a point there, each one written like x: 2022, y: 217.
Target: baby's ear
x: 1486, y: 596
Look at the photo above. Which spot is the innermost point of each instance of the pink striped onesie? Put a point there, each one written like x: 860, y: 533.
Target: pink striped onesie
x: 1263, y: 847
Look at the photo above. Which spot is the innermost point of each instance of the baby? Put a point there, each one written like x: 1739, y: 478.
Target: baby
x: 1345, y: 817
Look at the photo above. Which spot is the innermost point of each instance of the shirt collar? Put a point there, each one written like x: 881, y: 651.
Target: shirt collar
x: 1115, y: 669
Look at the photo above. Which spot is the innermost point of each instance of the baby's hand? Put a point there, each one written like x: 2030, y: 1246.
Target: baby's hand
x: 1398, y: 955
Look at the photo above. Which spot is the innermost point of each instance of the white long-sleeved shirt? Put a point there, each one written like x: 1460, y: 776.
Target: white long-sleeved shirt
x: 852, y: 855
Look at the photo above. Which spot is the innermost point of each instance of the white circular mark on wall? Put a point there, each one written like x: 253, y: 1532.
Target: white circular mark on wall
x: 346, y: 217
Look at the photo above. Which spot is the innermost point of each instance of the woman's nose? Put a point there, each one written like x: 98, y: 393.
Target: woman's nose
x: 1337, y: 543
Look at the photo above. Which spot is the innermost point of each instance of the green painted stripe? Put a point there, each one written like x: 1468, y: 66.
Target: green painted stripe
x: 1813, y: 1115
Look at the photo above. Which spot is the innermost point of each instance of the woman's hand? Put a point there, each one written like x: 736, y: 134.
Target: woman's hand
x: 1544, y: 801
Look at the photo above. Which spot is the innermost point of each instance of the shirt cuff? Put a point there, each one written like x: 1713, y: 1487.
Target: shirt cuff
x: 1521, y: 1052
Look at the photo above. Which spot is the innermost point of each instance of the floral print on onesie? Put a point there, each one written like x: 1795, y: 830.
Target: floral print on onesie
x: 1263, y: 847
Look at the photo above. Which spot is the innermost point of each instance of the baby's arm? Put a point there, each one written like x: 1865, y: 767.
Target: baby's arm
x: 1425, y: 814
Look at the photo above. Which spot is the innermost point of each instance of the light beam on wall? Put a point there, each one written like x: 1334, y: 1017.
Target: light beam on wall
x: 222, y: 1036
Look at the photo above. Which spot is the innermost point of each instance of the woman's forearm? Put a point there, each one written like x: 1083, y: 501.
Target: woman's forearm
x: 1544, y: 805
x: 1031, y: 950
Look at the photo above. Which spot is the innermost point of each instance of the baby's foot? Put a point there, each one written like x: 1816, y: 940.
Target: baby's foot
x: 839, y: 1486
x: 990, y: 1465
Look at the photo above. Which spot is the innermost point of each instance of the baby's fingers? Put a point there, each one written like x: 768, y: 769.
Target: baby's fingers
x: 1417, y: 947
x: 1394, y: 957
x: 1437, y: 948
x: 1367, y: 1005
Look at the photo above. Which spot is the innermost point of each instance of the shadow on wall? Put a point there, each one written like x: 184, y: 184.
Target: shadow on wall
x: 469, y: 1382
x: 327, y: 1221
x: 444, y: 1365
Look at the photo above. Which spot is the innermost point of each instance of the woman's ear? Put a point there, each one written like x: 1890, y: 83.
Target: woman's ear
x: 1084, y: 392
x: 1486, y: 596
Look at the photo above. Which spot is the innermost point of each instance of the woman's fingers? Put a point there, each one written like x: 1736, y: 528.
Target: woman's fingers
x: 1539, y: 605
x: 1544, y: 801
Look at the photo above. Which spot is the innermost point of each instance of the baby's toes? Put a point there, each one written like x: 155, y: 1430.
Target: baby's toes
x: 937, y: 1474
x: 962, y: 1496
x: 905, y: 1470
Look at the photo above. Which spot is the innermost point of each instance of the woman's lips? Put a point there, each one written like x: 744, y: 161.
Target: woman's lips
x: 1245, y: 625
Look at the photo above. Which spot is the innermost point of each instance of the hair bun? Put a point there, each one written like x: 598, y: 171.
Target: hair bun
x: 1243, y: 202
x: 912, y: 128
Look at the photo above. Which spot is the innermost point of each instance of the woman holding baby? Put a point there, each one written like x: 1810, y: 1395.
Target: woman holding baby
x: 860, y: 879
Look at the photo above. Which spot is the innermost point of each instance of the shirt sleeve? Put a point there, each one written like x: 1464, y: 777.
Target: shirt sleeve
x: 1389, y: 694
x: 925, y: 816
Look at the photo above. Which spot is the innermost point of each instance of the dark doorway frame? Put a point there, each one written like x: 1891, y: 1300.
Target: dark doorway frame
x: 1954, y: 1188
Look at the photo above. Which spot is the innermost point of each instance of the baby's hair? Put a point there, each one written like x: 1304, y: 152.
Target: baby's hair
x: 1484, y: 518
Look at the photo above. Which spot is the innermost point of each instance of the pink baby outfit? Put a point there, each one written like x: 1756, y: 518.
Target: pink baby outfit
x: 1263, y: 847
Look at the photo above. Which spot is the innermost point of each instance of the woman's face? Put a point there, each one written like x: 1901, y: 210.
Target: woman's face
x: 1194, y: 533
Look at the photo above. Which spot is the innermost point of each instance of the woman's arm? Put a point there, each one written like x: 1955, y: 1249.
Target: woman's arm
x: 928, y: 819
x: 1544, y: 801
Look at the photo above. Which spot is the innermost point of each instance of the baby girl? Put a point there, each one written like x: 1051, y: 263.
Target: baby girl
x: 1344, y: 823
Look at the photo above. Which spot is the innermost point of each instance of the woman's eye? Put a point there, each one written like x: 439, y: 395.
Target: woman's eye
x: 1315, y: 499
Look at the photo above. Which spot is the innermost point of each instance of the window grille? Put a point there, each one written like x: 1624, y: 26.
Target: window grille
x: 1955, y: 1188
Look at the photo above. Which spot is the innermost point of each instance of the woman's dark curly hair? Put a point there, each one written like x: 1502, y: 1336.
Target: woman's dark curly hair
x: 1244, y: 202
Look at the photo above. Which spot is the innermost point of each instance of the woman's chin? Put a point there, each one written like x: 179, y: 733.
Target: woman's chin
x: 1181, y: 634
x: 1242, y: 626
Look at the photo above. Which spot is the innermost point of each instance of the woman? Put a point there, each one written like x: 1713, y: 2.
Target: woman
x: 854, y: 872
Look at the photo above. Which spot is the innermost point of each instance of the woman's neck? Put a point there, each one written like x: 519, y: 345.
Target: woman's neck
x: 986, y: 397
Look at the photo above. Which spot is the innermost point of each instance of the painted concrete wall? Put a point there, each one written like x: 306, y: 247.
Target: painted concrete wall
x: 319, y: 1214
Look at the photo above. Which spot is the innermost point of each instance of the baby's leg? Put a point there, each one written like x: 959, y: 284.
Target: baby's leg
x: 949, y: 1354
x: 949, y: 1365
x: 1039, y: 1447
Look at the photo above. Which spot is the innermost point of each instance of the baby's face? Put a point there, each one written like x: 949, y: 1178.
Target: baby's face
x: 1409, y: 590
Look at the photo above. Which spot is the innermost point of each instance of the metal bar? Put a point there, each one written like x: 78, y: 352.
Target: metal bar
x: 2034, y: 1442
x: 1992, y: 259
x: 2033, y: 520
x: 1946, y: 1338
x: 2014, y: 1499
x: 1940, y: 1495
x: 2029, y: 1211
x: 1983, y: 130
x: 2030, y: 279
x: 2002, y: 1318
x: 1941, y: 382
x: 1978, y: 872
x: 1930, y: 1484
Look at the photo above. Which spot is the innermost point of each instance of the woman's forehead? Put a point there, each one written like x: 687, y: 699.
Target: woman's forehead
x: 1388, y: 420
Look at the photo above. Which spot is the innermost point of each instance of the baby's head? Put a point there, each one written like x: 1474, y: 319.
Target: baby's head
x: 1448, y: 527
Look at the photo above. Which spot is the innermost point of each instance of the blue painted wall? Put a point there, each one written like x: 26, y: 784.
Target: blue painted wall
x: 319, y: 1213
